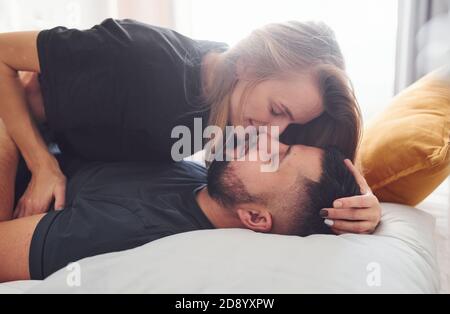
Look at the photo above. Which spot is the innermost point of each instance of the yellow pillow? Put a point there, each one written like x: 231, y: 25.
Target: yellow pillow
x: 405, y: 151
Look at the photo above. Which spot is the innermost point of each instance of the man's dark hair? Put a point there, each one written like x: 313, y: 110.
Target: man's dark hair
x: 336, y: 181
x: 303, y: 204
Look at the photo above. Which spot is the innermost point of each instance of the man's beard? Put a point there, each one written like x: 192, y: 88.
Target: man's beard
x: 226, y: 187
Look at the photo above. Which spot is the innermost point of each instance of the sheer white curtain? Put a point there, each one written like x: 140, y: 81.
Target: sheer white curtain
x: 424, y: 41
x: 18, y: 15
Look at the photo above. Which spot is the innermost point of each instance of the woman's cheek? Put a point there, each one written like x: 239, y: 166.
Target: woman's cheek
x: 258, y: 113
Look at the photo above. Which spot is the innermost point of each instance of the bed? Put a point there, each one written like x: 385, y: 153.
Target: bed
x: 438, y: 205
x: 401, y: 257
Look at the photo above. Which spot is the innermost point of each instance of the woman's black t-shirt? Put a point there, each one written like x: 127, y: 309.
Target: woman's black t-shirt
x: 115, y: 92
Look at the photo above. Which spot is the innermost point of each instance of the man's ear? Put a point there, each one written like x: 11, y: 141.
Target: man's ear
x: 255, y: 219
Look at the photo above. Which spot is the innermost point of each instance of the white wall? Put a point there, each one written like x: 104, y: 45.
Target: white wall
x: 157, y: 12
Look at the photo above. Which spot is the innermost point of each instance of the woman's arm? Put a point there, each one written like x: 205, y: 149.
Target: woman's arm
x: 9, y: 159
x: 18, y: 52
x: 35, y: 101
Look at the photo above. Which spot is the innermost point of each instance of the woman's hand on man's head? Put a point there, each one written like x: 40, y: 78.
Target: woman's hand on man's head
x: 358, y: 214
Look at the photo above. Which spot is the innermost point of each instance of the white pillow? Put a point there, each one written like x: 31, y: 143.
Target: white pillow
x: 399, y: 258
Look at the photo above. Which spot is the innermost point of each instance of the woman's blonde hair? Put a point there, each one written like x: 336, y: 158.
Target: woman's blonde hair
x: 277, y: 50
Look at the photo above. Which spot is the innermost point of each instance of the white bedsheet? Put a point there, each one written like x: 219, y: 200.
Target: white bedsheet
x: 438, y: 205
x: 402, y: 253
x: 17, y: 287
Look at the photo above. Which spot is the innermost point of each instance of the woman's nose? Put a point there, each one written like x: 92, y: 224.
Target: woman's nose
x: 283, y: 125
x: 280, y: 125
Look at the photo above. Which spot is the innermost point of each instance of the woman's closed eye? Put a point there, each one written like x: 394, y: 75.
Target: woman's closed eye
x: 276, y: 111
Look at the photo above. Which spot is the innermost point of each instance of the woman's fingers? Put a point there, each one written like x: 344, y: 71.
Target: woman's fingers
x: 357, y: 214
x: 18, y: 209
x: 22, y: 208
x: 46, y: 184
x: 339, y: 232
x: 27, y: 206
x: 359, y: 201
x: 60, y: 196
x: 349, y: 214
x: 24, y: 213
x: 364, y: 187
x: 343, y: 226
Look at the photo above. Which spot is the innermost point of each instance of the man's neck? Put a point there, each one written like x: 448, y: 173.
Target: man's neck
x: 219, y: 216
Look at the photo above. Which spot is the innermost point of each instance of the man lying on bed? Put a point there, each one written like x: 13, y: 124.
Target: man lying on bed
x: 119, y: 206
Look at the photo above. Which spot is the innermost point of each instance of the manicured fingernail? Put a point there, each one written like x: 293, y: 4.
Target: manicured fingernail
x: 337, y: 204
x: 323, y: 213
x: 59, y: 209
x: 329, y: 222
